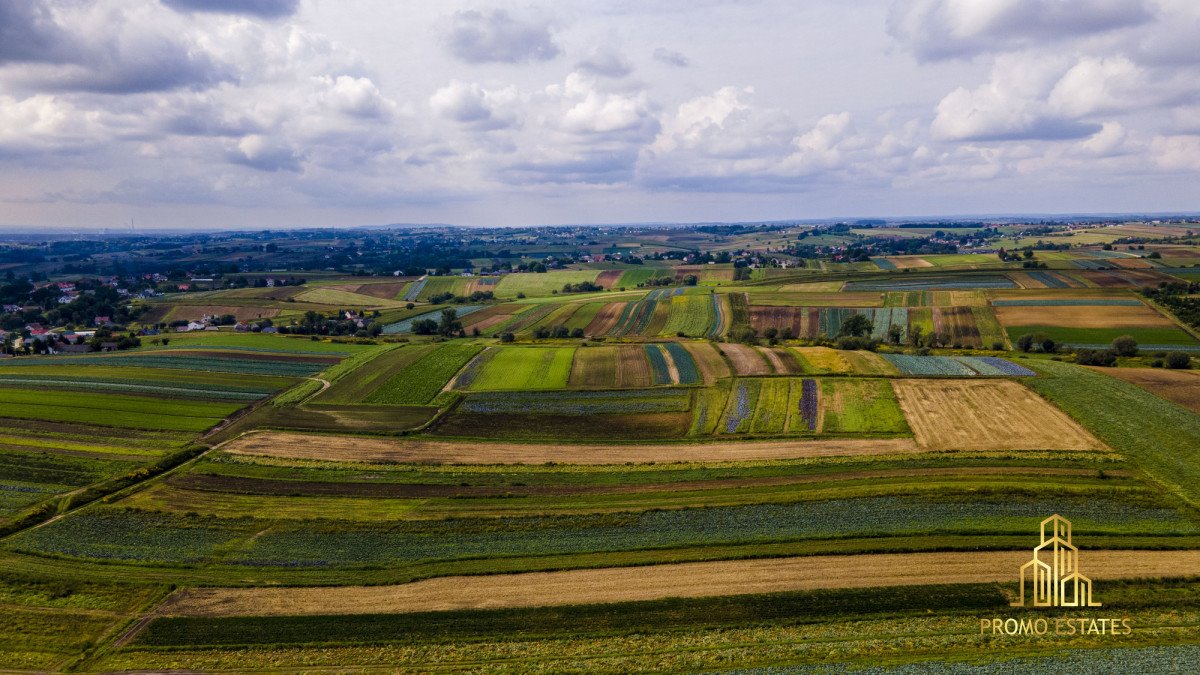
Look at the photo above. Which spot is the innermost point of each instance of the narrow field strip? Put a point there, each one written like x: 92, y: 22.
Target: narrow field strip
x: 694, y: 580
x: 348, y: 448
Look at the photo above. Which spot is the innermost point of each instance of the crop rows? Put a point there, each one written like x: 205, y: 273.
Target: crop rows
x: 135, y: 536
x: 221, y: 365
x: 942, y: 282
x: 580, y: 402
x: 421, y: 380
x: 771, y: 408
x: 1068, y: 302
x: 658, y: 364
x: 741, y: 405
x: 134, y: 387
x: 808, y: 404
x: 956, y: 366
x: 684, y: 363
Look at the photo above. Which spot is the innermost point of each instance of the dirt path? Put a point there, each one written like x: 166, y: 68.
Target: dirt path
x: 354, y: 448
x: 626, y: 584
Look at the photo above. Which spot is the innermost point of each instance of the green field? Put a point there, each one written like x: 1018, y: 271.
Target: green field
x: 1102, y: 337
x: 537, y: 285
x: 523, y: 368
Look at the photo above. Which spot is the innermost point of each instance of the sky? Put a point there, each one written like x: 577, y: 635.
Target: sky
x: 302, y: 113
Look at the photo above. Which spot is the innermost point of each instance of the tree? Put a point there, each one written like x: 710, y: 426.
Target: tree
x: 690, y: 280
x: 895, y: 333
x: 1125, y: 345
x: 1178, y: 360
x: 1025, y: 342
x: 449, y: 325
x: 1096, y: 357
x: 424, y: 327
x: 916, y: 336
x: 856, y: 325
x: 507, y: 337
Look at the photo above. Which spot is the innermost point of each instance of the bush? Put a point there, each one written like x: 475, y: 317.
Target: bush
x: 1125, y: 346
x: 1096, y: 357
x: 1156, y: 363
x: 1178, y: 360
x: 507, y: 337
x: 851, y: 342
x: 998, y: 346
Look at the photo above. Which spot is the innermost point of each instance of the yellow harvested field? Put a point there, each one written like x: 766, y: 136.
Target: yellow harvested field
x: 986, y: 415
x: 1177, y: 386
x: 908, y: 262
x: 823, y: 359
x: 813, y: 287
x: 1083, y: 316
x: 684, y: 580
x: 357, y: 449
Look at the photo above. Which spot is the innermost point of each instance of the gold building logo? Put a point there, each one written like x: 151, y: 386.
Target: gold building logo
x: 1053, y: 573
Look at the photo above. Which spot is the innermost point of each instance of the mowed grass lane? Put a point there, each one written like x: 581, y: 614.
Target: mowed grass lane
x: 1163, y: 438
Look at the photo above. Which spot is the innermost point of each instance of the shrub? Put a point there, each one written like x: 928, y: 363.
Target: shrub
x: 1178, y: 360
x: 1096, y: 357
x: 1125, y: 345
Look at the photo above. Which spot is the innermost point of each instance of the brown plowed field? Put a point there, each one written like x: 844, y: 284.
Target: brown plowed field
x: 385, y: 291
x: 359, y: 449
x: 609, y: 278
x: 633, y: 370
x: 694, y: 580
x: 986, y: 415
x: 746, y: 360
x: 775, y: 360
x: 605, y: 319
x: 1177, y: 386
x: 779, y: 318
x: 958, y: 323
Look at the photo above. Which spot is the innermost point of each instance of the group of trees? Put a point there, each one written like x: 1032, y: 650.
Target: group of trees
x: 448, y: 325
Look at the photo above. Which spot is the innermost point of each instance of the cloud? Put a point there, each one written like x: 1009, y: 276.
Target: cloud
x: 946, y: 29
x: 83, y: 47
x: 671, y: 57
x: 498, y: 37
x: 264, y: 9
x: 606, y: 62
x: 264, y: 154
x: 1176, y: 153
x: 1010, y: 106
x: 470, y: 104
x: 724, y: 142
x: 29, y: 33
x: 1097, y: 85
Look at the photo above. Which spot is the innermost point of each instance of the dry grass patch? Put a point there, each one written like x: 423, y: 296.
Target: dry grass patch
x: 708, y: 360
x: 653, y: 582
x: 357, y: 449
x: 746, y: 360
x: 986, y: 415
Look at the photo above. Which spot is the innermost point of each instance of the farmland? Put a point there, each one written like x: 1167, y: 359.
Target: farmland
x: 673, y: 477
